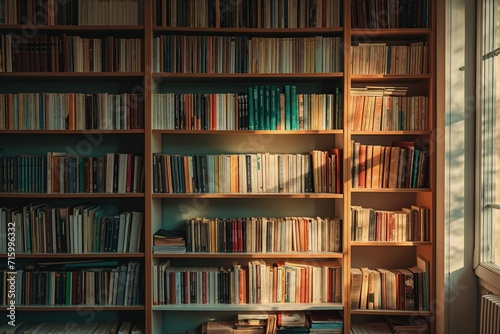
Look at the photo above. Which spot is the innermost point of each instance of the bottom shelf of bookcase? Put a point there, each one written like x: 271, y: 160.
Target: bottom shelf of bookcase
x: 271, y: 307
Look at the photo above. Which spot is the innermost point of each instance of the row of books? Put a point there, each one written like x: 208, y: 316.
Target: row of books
x: 409, y: 224
x: 374, y: 110
x: 317, y: 172
x: 257, y: 283
x: 390, y: 14
x: 71, y: 111
x: 63, y: 53
x: 84, y: 228
x: 71, y: 12
x: 119, y: 327
x: 260, y: 108
x: 262, y: 235
x: 399, y: 166
x: 241, y: 54
x: 78, y: 283
x: 391, y: 289
x: 248, y: 14
x: 113, y: 173
x: 380, y: 58
x: 278, y: 322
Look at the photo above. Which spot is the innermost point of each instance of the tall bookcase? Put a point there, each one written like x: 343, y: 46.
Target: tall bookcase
x: 170, y: 210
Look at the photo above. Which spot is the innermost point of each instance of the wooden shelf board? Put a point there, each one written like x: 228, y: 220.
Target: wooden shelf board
x: 385, y: 78
x: 250, y: 31
x: 389, y: 190
x: 207, y: 77
x: 391, y: 312
x: 250, y: 132
x: 65, y: 256
x: 390, y: 133
x: 72, y: 195
x: 60, y: 308
x: 73, y: 28
x: 389, y: 243
x: 71, y: 76
x: 72, y: 132
x: 250, y: 255
x: 391, y: 33
x: 250, y: 307
x: 257, y: 195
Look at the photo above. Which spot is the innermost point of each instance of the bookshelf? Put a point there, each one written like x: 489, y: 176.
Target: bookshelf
x: 211, y: 91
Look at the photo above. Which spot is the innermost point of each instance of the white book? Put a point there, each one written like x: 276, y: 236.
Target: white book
x: 121, y: 232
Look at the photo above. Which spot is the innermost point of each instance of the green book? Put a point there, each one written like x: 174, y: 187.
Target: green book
x: 267, y: 107
x: 273, y: 108
x: 278, y: 108
x: 288, y: 116
x: 262, y: 105
x: 256, y: 107
x: 293, y: 108
x: 251, y: 122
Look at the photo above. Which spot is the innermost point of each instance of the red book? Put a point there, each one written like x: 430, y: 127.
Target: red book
x: 362, y: 166
x: 130, y: 168
x: 204, y: 287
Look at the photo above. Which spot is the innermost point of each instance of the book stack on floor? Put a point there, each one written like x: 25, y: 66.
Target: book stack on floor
x: 326, y: 322
x: 169, y: 241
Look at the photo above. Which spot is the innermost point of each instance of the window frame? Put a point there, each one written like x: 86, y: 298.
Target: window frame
x: 487, y: 105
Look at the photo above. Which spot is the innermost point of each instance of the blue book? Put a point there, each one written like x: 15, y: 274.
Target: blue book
x: 403, y: 13
x: 424, y: 14
x: 293, y: 108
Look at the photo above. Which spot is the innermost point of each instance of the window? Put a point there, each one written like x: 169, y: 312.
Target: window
x: 488, y: 144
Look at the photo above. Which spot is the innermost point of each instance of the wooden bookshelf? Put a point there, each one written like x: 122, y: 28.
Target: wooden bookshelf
x: 170, y: 210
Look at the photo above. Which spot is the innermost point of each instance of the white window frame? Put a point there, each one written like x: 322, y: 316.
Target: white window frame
x: 485, y: 269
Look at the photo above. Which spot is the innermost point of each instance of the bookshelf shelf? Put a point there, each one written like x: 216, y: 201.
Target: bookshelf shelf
x: 389, y: 243
x: 400, y: 33
x: 74, y: 28
x: 73, y: 308
x: 256, y: 195
x: 390, y: 190
x: 72, y: 195
x: 249, y: 77
x: 389, y: 78
x: 75, y: 255
x: 391, y: 312
x: 71, y: 76
x: 250, y: 255
x: 73, y: 132
x: 252, y: 31
x: 390, y: 133
x: 249, y: 132
x: 250, y: 307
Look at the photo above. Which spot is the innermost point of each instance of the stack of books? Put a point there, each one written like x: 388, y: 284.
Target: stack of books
x: 326, y: 322
x: 169, y: 241
x: 292, y: 322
